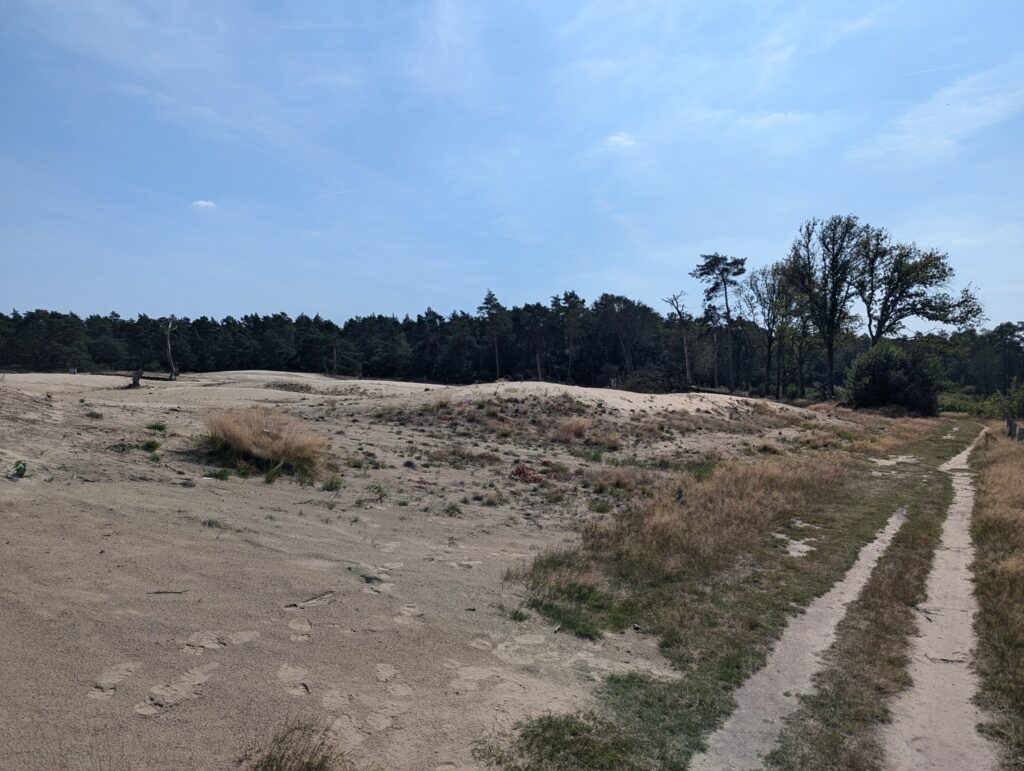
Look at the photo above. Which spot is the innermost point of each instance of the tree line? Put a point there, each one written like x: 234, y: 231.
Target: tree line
x: 787, y: 329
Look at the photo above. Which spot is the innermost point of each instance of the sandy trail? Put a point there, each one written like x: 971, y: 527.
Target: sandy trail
x: 935, y: 721
x: 765, y: 699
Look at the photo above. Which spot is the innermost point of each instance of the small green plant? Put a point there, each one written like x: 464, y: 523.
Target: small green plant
x: 271, y: 474
x: 20, y: 467
x: 518, y: 615
x: 331, y: 484
x: 188, y: 483
x: 214, y: 524
x: 452, y: 510
x: 222, y: 473
x: 151, y: 445
x: 94, y: 415
x: 154, y: 457
x: 157, y: 426
x: 379, y: 491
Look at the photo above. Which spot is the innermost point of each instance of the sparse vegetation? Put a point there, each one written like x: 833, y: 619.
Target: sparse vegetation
x: 299, y: 746
x: 998, y: 532
x: 696, y: 564
x: 157, y: 426
x: 150, y: 445
x: 273, y: 442
x: 20, y: 469
x: 94, y: 415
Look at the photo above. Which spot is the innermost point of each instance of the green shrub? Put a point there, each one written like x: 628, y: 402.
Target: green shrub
x: 157, y: 426
x: 886, y: 375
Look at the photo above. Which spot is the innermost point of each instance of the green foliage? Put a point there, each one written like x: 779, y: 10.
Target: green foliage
x: 221, y: 473
x: 157, y: 426
x: 887, y: 376
x: 151, y: 445
x: 20, y: 468
x: 331, y: 484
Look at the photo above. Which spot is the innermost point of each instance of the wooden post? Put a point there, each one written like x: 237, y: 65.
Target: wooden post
x: 136, y: 377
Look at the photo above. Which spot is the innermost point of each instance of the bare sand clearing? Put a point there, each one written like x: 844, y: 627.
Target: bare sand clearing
x: 765, y: 699
x: 935, y: 721
x: 154, y: 617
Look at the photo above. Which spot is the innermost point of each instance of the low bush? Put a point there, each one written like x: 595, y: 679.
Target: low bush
x: 886, y: 375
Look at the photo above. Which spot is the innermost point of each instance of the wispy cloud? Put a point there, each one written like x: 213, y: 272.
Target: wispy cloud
x: 621, y: 139
x: 931, y: 132
x: 205, y: 204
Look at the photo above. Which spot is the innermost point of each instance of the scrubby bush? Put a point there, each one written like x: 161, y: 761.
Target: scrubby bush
x: 886, y: 375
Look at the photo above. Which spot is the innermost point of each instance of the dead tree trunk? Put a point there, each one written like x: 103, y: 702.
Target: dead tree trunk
x: 170, y: 358
x: 136, y: 377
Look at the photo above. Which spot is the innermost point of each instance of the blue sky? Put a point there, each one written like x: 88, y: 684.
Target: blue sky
x: 349, y: 158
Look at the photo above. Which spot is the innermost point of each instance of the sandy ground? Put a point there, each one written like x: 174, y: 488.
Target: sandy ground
x: 934, y: 724
x: 154, y: 617
x: 765, y: 699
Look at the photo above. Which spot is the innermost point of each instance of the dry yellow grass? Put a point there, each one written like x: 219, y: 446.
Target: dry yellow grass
x: 998, y: 531
x: 697, y: 524
x: 271, y: 440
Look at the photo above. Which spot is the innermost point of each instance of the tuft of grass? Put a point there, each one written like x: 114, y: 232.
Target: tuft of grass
x: 214, y: 524
x: 576, y: 742
x: 20, y: 469
x: 998, y: 531
x: 157, y: 426
x: 273, y: 442
x: 150, y: 445
x: 298, y: 746
x: 222, y: 473
x: 94, y: 415
x: 331, y: 484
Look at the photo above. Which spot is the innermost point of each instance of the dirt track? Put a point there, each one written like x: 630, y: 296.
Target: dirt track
x: 934, y: 724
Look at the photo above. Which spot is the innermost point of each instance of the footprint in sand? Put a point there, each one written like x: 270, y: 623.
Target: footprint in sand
x: 213, y: 640
x: 292, y: 679
x: 188, y: 686
x: 106, y: 683
x: 384, y: 716
x: 301, y: 629
x: 408, y: 615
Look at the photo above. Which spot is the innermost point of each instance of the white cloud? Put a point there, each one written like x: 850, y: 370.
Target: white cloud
x: 621, y: 139
x: 205, y: 204
x: 932, y: 131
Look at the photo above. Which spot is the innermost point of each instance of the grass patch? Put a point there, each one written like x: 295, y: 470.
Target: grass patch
x: 272, y: 442
x: 299, y: 746
x: 998, y: 531
x: 150, y: 445
x: 94, y: 415
x: 157, y: 426
x: 697, y: 565
x: 223, y: 474
x: 581, y: 741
